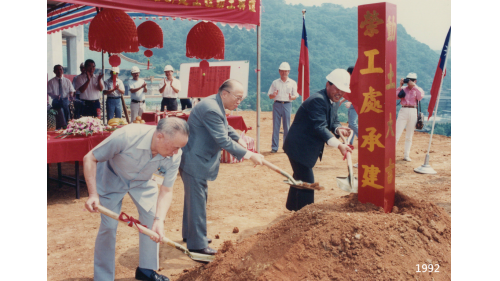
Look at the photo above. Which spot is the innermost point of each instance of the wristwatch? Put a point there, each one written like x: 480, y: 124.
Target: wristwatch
x: 157, y: 218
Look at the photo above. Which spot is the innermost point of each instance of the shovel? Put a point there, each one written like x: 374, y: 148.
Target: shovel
x: 150, y: 233
x: 349, y: 183
x: 290, y: 180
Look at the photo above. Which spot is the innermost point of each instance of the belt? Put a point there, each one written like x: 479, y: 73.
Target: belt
x: 410, y: 106
x: 136, y: 101
x: 90, y: 101
x: 114, y: 98
x: 278, y: 101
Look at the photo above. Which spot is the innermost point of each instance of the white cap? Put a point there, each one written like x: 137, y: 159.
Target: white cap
x: 412, y: 75
x: 115, y: 69
x: 168, y: 67
x: 341, y: 79
x: 135, y: 69
x: 284, y: 66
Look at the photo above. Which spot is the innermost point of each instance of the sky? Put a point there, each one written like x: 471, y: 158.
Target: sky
x: 427, y: 21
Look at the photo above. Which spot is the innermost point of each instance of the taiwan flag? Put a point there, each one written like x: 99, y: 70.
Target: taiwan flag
x: 440, y: 73
x: 303, y: 65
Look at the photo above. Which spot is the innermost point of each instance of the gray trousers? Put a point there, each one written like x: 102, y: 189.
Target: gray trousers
x: 104, y: 252
x: 194, y: 218
x: 281, y: 111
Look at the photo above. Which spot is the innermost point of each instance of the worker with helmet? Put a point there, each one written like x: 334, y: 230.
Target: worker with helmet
x: 315, y: 124
x: 114, y: 92
x: 138, y: 89
x: 169, y: 88
x: 283, y: 91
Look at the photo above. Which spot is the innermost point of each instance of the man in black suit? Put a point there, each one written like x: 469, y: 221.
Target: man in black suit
x: 314, y: 125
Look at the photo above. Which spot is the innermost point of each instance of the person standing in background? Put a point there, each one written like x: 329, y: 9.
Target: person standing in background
x: 114, y: 95
x: 138, y: 90
x: 169, y: 88
x: 283, y: 91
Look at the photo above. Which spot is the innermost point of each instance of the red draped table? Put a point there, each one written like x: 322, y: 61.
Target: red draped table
x: 236, y: 122
x: 70, y: 149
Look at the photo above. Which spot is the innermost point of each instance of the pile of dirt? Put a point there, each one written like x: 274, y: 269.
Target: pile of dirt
x: 341, y: 239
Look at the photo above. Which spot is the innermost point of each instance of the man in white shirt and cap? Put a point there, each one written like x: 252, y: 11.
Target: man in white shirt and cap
x: 114, y: 95
x: 407, y: 116
x: 283, y: 91
x: 60, y: 89
x: 169, y: 88
x: 138, y: 90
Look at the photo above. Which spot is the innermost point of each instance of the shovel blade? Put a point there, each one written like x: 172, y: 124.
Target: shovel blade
x: 348, y: 185
x: 201, y: 257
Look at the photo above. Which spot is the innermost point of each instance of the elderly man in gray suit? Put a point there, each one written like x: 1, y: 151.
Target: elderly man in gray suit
x: 124, y: 163
x: 210, y: 133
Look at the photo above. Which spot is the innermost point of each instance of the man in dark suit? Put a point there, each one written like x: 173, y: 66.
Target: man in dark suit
x: 314, y: 123
x: 209, y: 133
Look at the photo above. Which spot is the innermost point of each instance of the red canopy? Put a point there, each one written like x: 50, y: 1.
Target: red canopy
x: 241, y: 12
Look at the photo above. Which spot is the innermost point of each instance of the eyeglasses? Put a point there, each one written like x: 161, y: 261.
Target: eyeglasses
x: 237, y: 98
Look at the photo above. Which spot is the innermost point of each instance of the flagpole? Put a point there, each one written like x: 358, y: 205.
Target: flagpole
x: 258, y: 87
x: 426, y: 168
x: 303, y: 66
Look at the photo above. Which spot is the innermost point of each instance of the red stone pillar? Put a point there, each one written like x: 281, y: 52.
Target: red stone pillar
x: 375, y: 88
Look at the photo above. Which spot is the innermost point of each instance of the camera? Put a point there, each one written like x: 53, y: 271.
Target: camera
x: 406, y: 80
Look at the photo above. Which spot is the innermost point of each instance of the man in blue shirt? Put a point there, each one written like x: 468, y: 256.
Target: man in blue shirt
x: 124, y: 163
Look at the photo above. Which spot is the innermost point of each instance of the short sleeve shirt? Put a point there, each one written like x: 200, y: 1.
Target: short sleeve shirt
x: 108, y: 85
x: 169, y: 92
x: 284, y: 88
x: 139, y: 95
x: 92, y: 92
x: 411, y: 96
x: 53, y: 87
x: 125, y: 164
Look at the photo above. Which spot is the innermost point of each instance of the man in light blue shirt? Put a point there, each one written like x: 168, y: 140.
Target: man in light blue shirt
x: 124, y: 163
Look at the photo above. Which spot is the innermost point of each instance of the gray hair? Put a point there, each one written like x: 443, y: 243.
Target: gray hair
x: 228, y: 86
x: 171, y: 126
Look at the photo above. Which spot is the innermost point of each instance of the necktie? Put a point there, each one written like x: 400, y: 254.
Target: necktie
x: 60, y: 89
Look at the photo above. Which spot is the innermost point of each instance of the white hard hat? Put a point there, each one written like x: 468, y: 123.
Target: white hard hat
x: 115, y: 69
x: 341, y: 79
x: 284, y: 66
x: 168, y: 67
x: 412, y: 75
x: 135, y: 69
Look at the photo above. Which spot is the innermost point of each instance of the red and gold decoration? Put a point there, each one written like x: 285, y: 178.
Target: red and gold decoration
x: 205, y: 41
x: 113, y: 31
x: 374, y: 96
x: 148, y: 54
x: 150, y: 36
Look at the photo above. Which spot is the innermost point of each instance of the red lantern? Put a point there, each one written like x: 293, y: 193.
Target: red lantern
x: 150, y: 35
x: 115, y: 60
x: 205, y: 41
x: 148, y: 54
x: 113, y: 31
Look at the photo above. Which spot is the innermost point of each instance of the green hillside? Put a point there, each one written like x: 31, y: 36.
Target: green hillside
x: 332, y: 40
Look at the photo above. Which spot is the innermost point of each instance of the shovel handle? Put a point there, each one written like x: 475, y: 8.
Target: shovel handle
x: 349, y: 138
x: 143, y: 229
x: 278, y: 170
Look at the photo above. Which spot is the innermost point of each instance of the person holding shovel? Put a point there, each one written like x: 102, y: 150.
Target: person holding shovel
x: 124, y: 163
x: 315, y: 124
x: 200, y: 162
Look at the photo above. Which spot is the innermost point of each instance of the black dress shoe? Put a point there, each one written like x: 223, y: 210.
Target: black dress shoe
x: 206, y: 251
x: 209, y: 240
x: 154, y: 277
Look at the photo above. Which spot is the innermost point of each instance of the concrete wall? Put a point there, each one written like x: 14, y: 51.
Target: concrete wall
x: 75, y: 50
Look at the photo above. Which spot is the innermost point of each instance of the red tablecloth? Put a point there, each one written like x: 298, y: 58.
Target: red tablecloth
x: 71, y: 148
x: 236, y: 122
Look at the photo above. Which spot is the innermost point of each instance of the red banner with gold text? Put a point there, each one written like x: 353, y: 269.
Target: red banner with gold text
x: 227, y: 11
x: 375, y: 89
x: 205, y: 83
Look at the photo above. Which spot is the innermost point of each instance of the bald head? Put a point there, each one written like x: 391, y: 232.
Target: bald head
x: 232, y: 93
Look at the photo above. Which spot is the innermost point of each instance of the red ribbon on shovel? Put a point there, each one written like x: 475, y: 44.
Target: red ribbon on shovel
x: 131, y: 221
x: 351, y: 147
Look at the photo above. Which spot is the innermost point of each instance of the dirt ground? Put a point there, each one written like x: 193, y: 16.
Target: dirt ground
x: 253, y: 199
